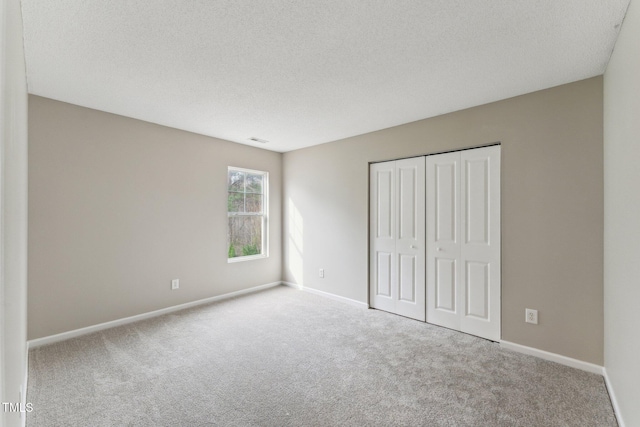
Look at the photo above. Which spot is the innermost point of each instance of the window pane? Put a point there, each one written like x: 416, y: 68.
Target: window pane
x: 236, y: 180
x: 253, y: 203
x: 235, y: 202
x: 245, y: 236
x: 254, y: 183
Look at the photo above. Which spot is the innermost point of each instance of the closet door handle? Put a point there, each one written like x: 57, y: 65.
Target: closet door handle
x: 440, y: 249
x: 413, y: 247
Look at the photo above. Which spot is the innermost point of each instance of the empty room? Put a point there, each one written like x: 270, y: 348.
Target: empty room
x: 275, y: 213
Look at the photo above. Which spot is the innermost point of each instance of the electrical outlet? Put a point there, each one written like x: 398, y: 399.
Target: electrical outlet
x: 321, y: 273
x: 531, y: 316
x: 175, y: 284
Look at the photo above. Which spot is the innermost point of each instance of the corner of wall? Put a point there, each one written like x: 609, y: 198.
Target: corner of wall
x: 13, y: 211
x: 621, y: 222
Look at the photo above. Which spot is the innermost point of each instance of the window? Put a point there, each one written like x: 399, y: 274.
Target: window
x: 247, y: 210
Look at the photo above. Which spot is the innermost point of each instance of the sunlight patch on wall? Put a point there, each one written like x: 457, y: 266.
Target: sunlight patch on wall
x: 296, y: 240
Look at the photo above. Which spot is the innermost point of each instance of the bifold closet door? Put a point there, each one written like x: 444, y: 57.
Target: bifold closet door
x: 397, y: 240
x: 463, y: 241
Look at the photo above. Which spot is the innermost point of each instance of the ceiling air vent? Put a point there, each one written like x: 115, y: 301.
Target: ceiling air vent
x: 261, y: 141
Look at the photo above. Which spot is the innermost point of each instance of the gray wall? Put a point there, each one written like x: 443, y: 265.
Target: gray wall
x: 622, y: 218
x: 13, y: 212
x: 552, y: 209
x: 119, y: 207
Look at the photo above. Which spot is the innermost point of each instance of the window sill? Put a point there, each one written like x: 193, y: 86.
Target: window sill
x: 246, y: 258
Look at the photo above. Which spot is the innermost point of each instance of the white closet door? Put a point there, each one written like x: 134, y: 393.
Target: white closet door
x: 398, y: 236
x: 463, y: 241
x: 410, y: 244
x: 382, y: 241
x: 443, y: 240
x: 480, y: 245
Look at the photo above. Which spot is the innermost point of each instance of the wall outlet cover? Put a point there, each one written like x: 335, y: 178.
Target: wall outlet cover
x: 531, y: 316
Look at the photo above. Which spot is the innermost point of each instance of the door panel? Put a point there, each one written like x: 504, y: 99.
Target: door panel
x: 384, y: 204
x: 463, y: 241
x: 410, y: 245
x: 382, y: 273
x: 445, y: 284
x: 408, y: 278
x: 443, y: 248
x: 477, y: 201
x: 407, y: 176
x: 477, y: 290
x: 398, y: 233
x: 480, y: 248
x: 446, y: 182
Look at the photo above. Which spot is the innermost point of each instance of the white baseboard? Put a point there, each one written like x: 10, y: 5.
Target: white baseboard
x: 558, y: 358
x: 614, y: 400
x: 99, y: 327
x: 327, y: 295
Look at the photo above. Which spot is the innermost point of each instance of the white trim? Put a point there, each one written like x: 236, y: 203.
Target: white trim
x: 558, y: 358
x: 614, y: 400
x: 106, y: 325
x: 327, y: 295
x: 246, y: 258
x: 253, y: 171
x: 23, y: 390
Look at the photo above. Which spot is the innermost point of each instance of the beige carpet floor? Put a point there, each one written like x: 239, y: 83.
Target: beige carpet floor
x: 284, y: 357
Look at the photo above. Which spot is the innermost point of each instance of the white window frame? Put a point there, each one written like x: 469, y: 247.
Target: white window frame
x: 264, y: 251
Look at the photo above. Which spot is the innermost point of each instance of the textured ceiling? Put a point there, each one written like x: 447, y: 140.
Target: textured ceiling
x: 304, y: 73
